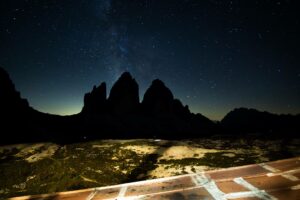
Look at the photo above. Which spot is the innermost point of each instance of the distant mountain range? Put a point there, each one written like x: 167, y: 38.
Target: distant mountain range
x: 122, y: 115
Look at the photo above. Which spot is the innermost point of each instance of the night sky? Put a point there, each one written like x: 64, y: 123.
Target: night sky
x: 215, y: 55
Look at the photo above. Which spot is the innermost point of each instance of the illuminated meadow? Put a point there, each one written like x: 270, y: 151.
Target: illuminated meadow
x: 48, y: 167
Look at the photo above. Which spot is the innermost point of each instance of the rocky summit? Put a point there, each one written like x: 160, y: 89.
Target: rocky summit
x: 95, y: 101
x: 124, y: 95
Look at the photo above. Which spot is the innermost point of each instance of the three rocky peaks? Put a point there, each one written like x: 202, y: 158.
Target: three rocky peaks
x: 124, y: 99
x: 122, y: 115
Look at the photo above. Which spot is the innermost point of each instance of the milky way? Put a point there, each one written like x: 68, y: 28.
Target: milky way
x: 214, y: 55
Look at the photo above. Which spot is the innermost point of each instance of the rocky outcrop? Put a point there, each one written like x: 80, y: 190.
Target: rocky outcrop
x: 19, y: 123
x: 124, y: 96
x: 169, y: 116
x: 95, y: 101
x: 158, y: 99
x: 15, y: 113
x: 10, y: 99
x: 179, y: 110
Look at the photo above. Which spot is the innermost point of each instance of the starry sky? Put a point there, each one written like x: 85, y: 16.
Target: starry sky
x: 215, y: 55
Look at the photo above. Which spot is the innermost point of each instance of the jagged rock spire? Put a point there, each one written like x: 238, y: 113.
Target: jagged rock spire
x: 158, y: 99
x: 95, y: 101
x: 124, y: 95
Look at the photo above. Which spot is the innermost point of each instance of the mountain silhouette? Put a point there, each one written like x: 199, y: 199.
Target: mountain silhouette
x: 11, y: 101
x: 244, y: 120
x: 15, y: 112
x: 158, y: 99
x: 122, y: 115
x: 95, y: 101
x: 124, y: 96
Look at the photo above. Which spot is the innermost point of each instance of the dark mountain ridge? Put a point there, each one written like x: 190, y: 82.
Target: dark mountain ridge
x: 244, y: 120
x: 122, y: 115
